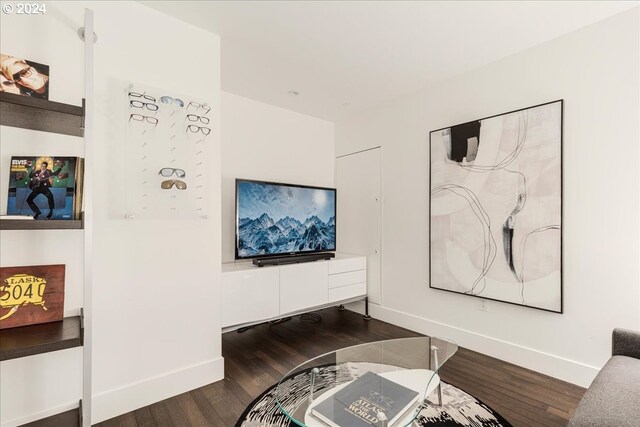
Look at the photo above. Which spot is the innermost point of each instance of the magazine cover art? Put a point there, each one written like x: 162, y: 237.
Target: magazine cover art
x: 42, y: 187
x: 23, y: 77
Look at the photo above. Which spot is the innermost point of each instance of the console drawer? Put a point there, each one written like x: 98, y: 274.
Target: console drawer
x: 347, y: 264
x: 345, y: 279
x: 344, y: 292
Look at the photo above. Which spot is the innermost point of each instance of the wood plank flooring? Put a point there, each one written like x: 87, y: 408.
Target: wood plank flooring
x: 257, y: 358
x: 68, y: 419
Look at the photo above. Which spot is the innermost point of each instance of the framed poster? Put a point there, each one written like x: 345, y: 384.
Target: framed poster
x: 495, y: 207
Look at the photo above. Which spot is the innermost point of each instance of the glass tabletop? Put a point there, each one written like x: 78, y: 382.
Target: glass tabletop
x: 383, y: 383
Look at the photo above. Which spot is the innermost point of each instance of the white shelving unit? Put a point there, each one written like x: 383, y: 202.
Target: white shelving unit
x: 74, y: 331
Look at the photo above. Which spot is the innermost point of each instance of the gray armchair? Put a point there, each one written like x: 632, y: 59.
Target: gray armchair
x: 613, y: 399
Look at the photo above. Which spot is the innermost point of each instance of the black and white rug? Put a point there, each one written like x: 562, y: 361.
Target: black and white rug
x: 458, y: 409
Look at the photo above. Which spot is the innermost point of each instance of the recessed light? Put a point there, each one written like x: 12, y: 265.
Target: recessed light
x: 293, y: 93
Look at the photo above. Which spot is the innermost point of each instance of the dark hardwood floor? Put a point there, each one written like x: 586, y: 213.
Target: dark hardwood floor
x: 257, y: 358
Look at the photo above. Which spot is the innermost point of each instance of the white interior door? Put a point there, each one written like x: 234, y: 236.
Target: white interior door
x: 359, y: 225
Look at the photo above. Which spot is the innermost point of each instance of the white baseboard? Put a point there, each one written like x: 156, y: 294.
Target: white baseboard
x: 40, y: 415
x: 548, y: 364
x: 125, y: 399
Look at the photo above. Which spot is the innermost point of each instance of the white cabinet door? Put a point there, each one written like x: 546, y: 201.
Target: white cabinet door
x: 250, y: 295
x: 303, y: 286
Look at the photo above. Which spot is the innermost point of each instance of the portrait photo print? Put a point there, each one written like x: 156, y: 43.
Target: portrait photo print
x: 23, y: 77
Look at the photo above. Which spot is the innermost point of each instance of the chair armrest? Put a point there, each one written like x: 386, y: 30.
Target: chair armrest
x: 626, y: 342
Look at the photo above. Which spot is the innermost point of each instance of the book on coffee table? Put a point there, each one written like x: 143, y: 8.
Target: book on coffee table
x: 359, y: 403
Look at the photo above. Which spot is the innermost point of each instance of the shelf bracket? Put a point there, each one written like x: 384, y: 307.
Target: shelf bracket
x: 83, y: 115
x: 81, y: 35
x: 81, y: 327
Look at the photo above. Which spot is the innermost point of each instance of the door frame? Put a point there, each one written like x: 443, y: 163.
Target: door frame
x: 335, y: 179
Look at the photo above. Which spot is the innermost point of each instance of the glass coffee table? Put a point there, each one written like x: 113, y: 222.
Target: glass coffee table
x: 409, y: 370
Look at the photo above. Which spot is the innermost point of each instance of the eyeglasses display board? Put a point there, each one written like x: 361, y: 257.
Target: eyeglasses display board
x: 166, y: 145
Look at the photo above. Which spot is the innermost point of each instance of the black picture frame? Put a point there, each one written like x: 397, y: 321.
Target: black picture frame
x: 561, y: 150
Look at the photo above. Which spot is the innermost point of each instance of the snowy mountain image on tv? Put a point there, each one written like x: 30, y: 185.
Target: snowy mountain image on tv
x: 276, y: 219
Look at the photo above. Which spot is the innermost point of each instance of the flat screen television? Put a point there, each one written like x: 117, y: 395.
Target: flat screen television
x: 275, y: 219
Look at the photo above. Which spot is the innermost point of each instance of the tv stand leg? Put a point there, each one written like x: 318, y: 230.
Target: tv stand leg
x: 341, y: 307
x: 366, y: 309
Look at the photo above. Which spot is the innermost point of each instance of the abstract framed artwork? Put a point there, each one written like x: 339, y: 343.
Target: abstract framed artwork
x: 495, y: 208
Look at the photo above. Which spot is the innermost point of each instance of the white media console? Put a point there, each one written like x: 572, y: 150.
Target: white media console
x: 253, y: 294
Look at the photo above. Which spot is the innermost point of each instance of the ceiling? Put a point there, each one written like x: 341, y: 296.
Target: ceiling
x: 344, y: 57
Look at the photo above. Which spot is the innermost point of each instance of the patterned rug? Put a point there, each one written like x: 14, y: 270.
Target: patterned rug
x: 458, y: 409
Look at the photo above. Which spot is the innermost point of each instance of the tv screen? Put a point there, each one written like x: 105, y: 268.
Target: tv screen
x: 282, y: 219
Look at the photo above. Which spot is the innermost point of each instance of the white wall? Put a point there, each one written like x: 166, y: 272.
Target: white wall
x: 596, y: 71
x: 156, y: 328
x: 263, y: 142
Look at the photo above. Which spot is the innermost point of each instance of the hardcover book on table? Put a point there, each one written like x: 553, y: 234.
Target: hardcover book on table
x: 358, y: 404
x: 45, y: 187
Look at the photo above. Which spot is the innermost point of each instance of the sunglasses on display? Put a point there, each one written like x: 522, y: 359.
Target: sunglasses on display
x: 170, y: 100
x: 140, y: 104
x: 196, y: 129
x: 27, y: 72
x: 141, y: 95
x: 180, y: 185
x: 141, y: 118
x: 197, y: 106
x: 8, y: 85
x: 194, y: 118
x: 167, y: 172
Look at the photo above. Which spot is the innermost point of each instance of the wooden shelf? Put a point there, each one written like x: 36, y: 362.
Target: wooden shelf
x: 39, y: 114
x: 68, y: 419
x: 35, y: 339
x: 41, y: 224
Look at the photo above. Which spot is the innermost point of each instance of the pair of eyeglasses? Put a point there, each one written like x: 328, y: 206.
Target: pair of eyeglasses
x: 196, y: 129
x: 141, y: 118
x: 180, y: 185
x: 170, y: 100
x: 194, y: 118
x: 197, y: 106
x: 140, y: 104
x: 26, y: 72
x: 167, y: 172
x: 142, y: 95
